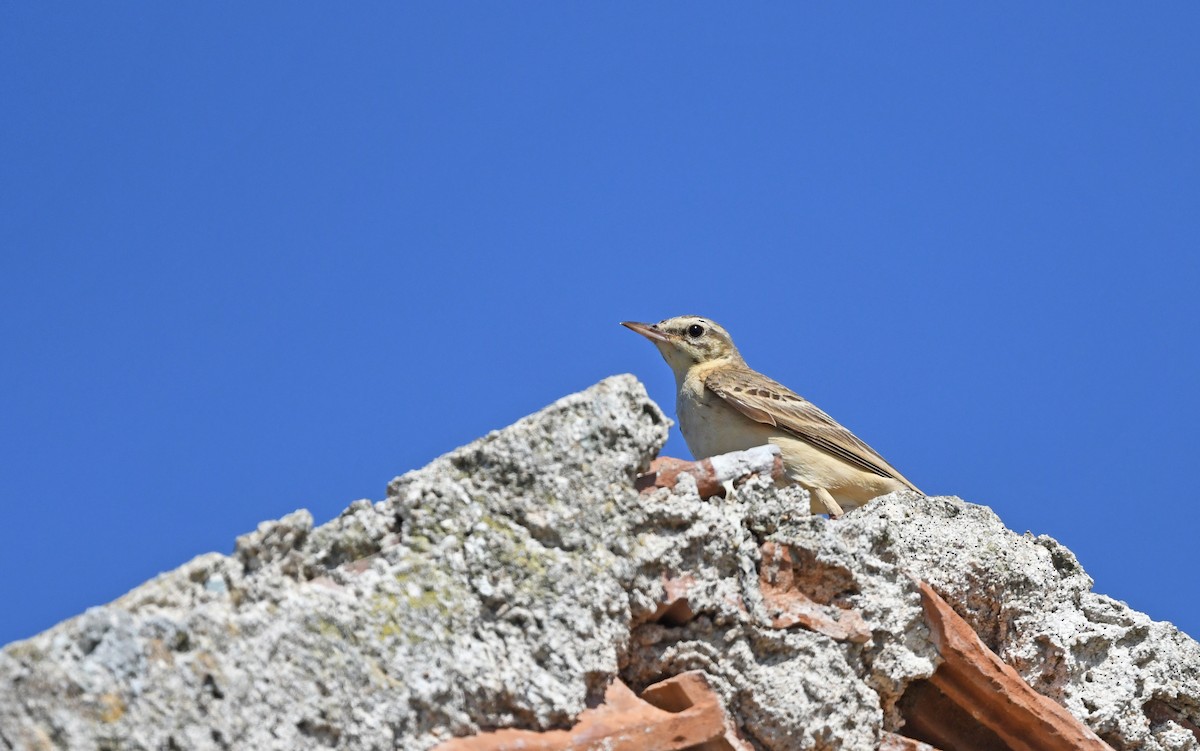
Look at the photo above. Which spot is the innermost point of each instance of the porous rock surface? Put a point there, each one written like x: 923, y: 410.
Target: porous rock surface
x: 510, y: 582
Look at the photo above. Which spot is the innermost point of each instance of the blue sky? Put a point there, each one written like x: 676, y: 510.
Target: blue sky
x: 268, y: 256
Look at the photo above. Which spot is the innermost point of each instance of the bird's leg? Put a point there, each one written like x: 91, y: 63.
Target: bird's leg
x: 822, y: 498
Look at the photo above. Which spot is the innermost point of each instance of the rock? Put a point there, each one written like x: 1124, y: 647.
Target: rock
x: 1030, y: 601
x: 523, y: 582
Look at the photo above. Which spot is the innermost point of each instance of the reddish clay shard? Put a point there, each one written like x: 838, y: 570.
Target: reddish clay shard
x: 1159, y: 711
x: 679, y: 713
x: 664, y: 472
x: 675, y: 610
x: 893, y: 742
x: 788, y: 604
x: 975, y: 701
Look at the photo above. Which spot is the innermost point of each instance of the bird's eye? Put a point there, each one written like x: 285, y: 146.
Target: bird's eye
x: 695, y: 330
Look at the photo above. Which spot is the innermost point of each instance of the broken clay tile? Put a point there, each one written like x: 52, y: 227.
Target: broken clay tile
x: 787, y: 599
x: 893, y: 742
x: 675, y: 610
x: 931, y: 716
x: 712, y: 474
x: 679, y: 713
x: 1159, y: 711
x: 975, y: 701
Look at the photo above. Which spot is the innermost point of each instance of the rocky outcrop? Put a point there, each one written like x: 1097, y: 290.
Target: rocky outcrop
x: 529, y: 589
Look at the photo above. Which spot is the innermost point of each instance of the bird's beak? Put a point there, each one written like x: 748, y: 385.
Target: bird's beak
x: 646, y: 330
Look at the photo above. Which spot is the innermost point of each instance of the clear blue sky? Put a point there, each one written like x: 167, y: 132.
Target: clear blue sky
x: 259, y: 257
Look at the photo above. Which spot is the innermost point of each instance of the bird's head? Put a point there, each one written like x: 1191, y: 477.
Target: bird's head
x: 686, y: 341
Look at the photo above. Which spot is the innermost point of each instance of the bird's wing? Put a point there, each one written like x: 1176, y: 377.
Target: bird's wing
x: 772, y: 403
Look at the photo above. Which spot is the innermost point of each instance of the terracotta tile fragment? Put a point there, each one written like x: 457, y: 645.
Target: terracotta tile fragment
x: 711, y: 474
x: 679, y: 713
x: 893, y: 742
x: 675, y: 610
x: 787, y: 599
x: 931, y: 716
x: 975, y: 701
x: 1159, y: 711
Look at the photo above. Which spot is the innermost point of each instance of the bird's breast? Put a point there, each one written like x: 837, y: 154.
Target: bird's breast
x: 711, y: 426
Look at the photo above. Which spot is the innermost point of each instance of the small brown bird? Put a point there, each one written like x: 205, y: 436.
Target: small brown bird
x: 725, y: 406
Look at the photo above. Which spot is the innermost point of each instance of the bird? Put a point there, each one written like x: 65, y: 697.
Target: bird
x: 723, y: 405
